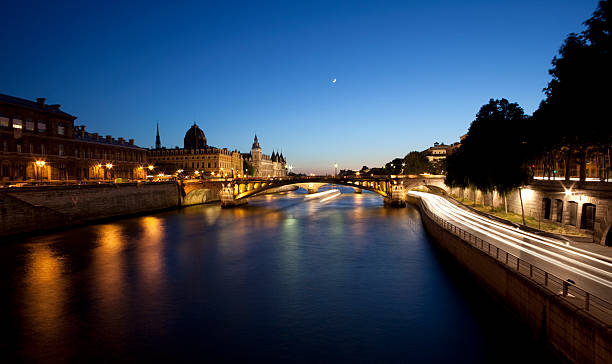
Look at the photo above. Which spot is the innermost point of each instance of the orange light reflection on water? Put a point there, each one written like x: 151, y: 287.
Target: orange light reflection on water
x: 45, y: 294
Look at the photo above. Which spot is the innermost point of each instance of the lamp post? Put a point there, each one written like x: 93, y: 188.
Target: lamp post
x: 109, y: 166
x: 40, y: 165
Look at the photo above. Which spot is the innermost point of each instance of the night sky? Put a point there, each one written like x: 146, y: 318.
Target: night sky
x: 408, y: 73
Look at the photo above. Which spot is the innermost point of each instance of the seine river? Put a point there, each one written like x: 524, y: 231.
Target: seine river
x: 280, y: 279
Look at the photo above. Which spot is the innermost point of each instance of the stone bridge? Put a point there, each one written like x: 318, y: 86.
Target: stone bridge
x: 237, y: 191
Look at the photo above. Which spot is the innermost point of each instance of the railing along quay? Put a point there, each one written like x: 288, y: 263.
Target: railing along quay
x: 578, y: 297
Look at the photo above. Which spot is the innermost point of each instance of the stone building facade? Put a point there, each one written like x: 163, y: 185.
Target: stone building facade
x: 40, y: 143
x: 196, y: 158
x: 266, y: 165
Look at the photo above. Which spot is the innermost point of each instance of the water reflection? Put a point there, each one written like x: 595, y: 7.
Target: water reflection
x: 279, y: 279
x: 150, y: 260
x: 44, y: 296
x: 109, y: 278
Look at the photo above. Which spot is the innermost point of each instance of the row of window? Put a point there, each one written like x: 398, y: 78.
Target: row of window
x: 29, y: 125
x: 193, y: 151
x: 77, y: 153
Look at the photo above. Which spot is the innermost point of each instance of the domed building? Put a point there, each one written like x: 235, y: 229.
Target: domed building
x: 194, y: 138
x: 196, y: 158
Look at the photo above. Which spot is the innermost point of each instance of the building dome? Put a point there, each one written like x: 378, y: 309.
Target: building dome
x: 194, y: 138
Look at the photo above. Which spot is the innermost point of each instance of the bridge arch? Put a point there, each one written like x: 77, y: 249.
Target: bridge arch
x: 241, y: 189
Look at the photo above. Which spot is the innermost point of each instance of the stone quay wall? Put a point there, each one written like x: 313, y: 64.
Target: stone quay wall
x: 562, y: 197
x: 30, y: 209
x: 572, y: 332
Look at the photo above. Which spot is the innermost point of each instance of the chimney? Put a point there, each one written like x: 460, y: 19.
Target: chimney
x: 40, y: 101
x: 109, y: 138
x: 131, y: 141
x: 95, y: 136
x: 55, y: 106
x: 121, y: 140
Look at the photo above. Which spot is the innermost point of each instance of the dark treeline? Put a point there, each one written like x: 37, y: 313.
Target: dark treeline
x: 572, y: 126
x: 414, y: 163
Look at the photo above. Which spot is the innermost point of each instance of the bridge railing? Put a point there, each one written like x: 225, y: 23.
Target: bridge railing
x: 596, y: 306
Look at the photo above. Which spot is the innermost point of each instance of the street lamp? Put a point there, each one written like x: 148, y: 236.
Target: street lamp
x: 109, y: 166
x: 40, y: 165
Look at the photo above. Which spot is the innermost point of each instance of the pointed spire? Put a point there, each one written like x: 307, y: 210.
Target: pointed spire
x: 157, y: 138
x: 255, y: 143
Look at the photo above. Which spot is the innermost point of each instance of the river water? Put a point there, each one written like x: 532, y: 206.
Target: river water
x: 280, y: 279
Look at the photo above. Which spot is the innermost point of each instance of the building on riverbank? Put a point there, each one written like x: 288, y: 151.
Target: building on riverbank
x: 263, y: 165
x: 196, y: 157
x: 40, y: 143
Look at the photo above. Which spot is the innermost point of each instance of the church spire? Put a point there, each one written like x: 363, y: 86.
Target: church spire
x: 157, y: 139
x: 255, y: 143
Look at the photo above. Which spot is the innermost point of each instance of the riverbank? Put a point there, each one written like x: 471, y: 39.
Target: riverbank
x: 38, y: 209
x: 555, y: 317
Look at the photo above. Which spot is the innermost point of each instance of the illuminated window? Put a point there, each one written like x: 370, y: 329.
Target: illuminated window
x: 31, y: 148
x: 29, y: 125
x: 42, y: 126
x: 60, y: 129
x: 18, y: 147
x: 60, y: 149
x: 4, y: 121
x: 17, y: 124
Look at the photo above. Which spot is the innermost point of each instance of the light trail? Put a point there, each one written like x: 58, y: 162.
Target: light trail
x: 591, y: 270
x: 456, y: 211
x: 319, y: 194
x: 330, y: 197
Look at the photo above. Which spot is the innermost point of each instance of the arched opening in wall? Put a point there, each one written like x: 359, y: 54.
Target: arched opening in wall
x: 588, y: 216
x: 559, y: 208
x: 609, y: 236
x: 572, y: 210
x: 546, y: 208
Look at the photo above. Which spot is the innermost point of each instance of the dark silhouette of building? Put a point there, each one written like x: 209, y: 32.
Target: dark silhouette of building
x: 194, y: 138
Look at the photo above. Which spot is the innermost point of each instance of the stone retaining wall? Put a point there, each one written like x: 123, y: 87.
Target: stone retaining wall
x: 28, y: 209
x: 569, y: 330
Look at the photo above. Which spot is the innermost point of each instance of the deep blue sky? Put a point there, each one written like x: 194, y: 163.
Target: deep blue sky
x: 408, y: 73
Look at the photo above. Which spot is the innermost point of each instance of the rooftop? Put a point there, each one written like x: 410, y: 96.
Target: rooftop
x: 38, y: 105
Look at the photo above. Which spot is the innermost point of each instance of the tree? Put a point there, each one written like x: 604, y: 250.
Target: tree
x: 493, y: 155
x: 416, y: 163
x: 394, y: 167
x: 250, y: 169
x: 575, y: 116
